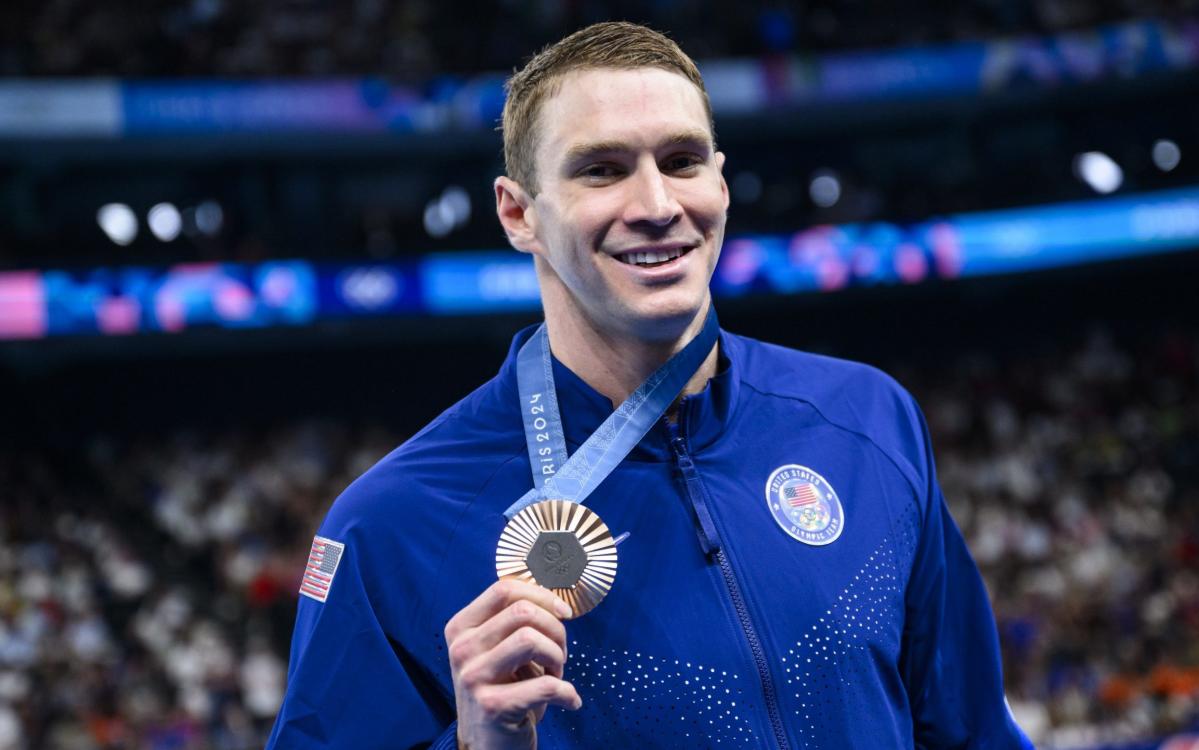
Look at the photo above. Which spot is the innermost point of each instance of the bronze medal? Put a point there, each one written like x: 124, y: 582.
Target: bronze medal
x: 562, y: 546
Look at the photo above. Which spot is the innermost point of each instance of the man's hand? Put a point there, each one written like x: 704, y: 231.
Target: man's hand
x: 507, y: 652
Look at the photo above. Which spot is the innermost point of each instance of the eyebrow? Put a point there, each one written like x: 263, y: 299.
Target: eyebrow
x: 592, y: 149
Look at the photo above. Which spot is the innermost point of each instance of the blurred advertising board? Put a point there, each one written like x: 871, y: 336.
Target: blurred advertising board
x: 129, y: 108
x: 121, y: 301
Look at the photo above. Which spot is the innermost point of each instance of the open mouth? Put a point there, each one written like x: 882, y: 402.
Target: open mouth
x: 652, y: 259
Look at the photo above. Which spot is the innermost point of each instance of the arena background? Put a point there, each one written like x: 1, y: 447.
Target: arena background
x: 248, y: 248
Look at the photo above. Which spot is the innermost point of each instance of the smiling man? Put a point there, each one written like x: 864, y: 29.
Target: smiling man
x: 791, y: 576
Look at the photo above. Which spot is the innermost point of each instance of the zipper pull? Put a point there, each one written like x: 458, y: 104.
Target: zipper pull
x: 709, y: 541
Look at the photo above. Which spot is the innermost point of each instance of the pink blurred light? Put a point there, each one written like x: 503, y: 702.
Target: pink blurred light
x: 233, y: 301
x: 811, y: 245
x: 170, y: 311
x: 22, y: 306
x: 833, y: 274
x: 910, y: 263
x: 279, y: 286
x: 947, y: 250
x: 118, y: 316
x: 741, y: 261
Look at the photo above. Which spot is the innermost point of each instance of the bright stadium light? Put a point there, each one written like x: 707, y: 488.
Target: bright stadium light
x: 165, y: 221
x: 1099, y: 171
x: 447, y: 212
x: 825, y: 189
x: 438, y: 220
x: 1166, y: 154
x: 118, y: 222
x: 455, y: 203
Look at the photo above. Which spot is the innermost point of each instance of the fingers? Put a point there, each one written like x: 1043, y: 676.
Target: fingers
x: 501, y: 663
x: 507, y: 652
x: 520, y: 614
x: 507, y: 702
x: 497, y: 597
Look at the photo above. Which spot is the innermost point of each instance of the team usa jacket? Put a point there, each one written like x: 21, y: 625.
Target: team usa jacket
x: 792, y: 577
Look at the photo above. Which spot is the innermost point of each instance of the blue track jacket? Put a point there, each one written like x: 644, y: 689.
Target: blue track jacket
x: 724, y: 628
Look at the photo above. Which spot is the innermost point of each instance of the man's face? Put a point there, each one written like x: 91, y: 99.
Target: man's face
x: 631, y: 213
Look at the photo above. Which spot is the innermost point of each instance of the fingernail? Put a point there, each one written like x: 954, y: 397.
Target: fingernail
x: 562, y: 608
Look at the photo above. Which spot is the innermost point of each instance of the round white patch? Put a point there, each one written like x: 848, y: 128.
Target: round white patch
x: 805, y: 505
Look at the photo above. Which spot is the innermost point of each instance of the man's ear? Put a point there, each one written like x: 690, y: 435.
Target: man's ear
x: 517, y: 215
x: 724, y: 185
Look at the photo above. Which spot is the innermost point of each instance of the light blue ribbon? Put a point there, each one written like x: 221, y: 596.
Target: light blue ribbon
x: 559, y: 476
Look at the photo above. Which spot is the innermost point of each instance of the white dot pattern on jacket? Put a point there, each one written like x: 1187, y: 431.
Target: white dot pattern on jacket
x: 652, y: 700
x: 838, y: 651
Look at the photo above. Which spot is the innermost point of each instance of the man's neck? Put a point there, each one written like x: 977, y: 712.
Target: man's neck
x: 615, y: 364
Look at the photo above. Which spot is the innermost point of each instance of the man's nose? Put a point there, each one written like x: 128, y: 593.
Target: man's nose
x: 652, y: 200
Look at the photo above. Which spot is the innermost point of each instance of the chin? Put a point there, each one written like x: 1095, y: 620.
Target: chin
x: 665, y: 320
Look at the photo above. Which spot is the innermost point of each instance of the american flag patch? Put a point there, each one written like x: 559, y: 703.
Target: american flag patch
x: 322, y: 564
x: 801, y: 494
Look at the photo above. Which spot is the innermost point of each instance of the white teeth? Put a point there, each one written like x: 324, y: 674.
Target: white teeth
x: 650, y: 257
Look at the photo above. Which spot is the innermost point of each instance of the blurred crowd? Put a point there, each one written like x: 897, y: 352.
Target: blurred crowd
x: 147, y: 589
x: 1075, y: 478
x: 418, y: 39
x: 148, y: 586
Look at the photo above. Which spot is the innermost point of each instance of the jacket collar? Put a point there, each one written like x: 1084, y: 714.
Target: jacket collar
x: 703, y: 416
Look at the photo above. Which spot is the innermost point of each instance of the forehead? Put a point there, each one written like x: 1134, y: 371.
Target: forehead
x: 637, y: 107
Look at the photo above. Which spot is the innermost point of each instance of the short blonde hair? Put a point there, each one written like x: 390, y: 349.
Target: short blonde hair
x: 612, y: 44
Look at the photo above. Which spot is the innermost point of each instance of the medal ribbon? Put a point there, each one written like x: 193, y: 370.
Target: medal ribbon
x: 573, y: 478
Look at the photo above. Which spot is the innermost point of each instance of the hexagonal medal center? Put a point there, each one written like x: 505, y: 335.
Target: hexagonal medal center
x: 557, y: 559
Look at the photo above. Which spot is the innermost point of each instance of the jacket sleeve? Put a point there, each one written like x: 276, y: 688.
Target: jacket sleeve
x: 951, y: 662
x: 349, y: 684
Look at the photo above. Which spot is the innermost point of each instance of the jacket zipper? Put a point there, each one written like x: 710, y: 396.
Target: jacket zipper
x: 710, y: 541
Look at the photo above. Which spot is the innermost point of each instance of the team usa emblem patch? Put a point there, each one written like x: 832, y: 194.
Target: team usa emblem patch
x: 805, y: 505
x: 322, y: 566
